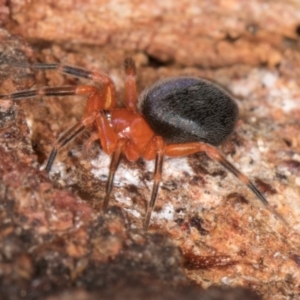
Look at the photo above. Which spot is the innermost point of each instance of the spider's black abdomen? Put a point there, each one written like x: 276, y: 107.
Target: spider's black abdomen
x: 188, y: 109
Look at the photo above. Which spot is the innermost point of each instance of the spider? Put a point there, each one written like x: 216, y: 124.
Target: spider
x: 174, y: 117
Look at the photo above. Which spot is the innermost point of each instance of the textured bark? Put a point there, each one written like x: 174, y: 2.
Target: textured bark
x: 202, y: 33
x: 207, y: 228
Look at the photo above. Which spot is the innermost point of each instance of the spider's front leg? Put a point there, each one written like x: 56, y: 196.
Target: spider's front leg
x: 98, y: 100
x: 108, y: 89
x: 106, y: 135
x: 58, y: 91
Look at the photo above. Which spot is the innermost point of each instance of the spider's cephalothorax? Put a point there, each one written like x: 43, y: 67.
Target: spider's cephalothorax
x: 175, y: 117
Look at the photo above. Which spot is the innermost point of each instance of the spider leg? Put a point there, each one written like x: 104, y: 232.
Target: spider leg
x: 88, y: 144
x: 214, y: 154
x: 65, y: 69
x: 156, y: 183
x: 106, y: 135
x: 108, y: 89
x: 94, y: 102
x: 45, y: 91
x: 156, y: 144
x: 130, y: 85
x: 97, y: 102
x: 112, y: 170
x: 72, y: 132
x: 66, y: 137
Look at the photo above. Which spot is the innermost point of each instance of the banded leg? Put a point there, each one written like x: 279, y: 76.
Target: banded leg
x: 214, y: 154
x: 156, y: 183
x: 108, y: 88
x: 94, y: 104
x: 112, y: 170
x: 157, y: 144
x: 106, y: 135
x: 91, y: 91
x: 45, y: 91
x: 97, y: 100
x: 65, y: 69
x: 65, y: 138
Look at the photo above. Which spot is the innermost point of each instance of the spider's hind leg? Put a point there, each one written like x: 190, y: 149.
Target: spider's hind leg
x: 108, y: 88
x: 214, y: 154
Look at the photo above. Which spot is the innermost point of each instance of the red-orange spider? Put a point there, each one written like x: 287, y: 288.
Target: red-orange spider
x: 175, y: 117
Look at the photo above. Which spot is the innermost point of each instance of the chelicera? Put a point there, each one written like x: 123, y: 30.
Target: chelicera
x: 174, y: 117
